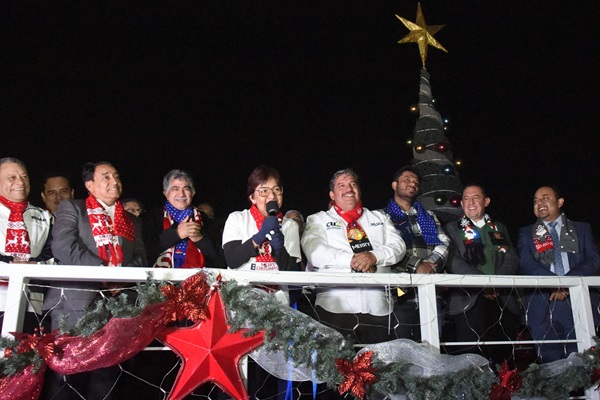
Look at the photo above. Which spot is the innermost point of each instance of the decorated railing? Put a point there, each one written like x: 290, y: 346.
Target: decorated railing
x: 20, y: 275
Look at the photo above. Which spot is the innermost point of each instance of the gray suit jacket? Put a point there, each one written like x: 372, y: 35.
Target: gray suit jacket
x: 462, y: 299
x: 73, y: 244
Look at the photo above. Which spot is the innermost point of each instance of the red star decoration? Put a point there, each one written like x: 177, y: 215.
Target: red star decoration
x: 210, y: 353
x: 358, y: 374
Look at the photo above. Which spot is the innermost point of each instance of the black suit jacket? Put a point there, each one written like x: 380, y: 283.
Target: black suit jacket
x: 462, y: 299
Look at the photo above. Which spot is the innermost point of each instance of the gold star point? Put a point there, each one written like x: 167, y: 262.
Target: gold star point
x: 421, y: 34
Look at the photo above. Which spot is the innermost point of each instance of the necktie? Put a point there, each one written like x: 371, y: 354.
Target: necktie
x: 558, y: 264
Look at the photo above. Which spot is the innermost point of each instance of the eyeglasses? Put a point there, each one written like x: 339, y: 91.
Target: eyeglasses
x: 264, y: 191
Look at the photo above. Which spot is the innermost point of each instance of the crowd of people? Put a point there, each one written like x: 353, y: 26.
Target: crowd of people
x: 101, y: 229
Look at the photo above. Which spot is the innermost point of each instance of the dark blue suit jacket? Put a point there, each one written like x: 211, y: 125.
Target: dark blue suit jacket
x: 586, y: 262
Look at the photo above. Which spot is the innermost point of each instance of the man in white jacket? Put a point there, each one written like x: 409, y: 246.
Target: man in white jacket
x: 350, y: 238
x: 24, y: 229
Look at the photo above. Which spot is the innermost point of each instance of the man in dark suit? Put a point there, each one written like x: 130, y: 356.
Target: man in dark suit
x: 555, y: 245
x: 482, y: 246
x: 96, y: 231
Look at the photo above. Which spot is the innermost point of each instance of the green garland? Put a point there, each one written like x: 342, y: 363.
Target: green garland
x: 120, y: 306
x: 253, y: 310
x: 17, y: 361
x: 312, y: 345
x: 537, y: 381
x: 471, y: 383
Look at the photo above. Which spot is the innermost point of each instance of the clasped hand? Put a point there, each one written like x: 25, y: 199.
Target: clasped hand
x: 363, y: 262
x: 189, y: 228
x: 559, y: 294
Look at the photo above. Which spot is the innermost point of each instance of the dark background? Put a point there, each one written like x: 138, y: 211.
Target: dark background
x: 310, y: 87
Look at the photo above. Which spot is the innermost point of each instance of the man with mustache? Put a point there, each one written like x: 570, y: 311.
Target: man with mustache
x: 350, y: 238
x: 178, y: 235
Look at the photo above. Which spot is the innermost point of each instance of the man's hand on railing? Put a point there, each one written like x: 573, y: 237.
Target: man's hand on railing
x: 115, y: 288
x: 559, y: 294
x: 490, y: 293
x: 364, y: 262
x: 426, y: 267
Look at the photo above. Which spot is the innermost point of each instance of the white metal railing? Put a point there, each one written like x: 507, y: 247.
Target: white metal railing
x: 19, y: 276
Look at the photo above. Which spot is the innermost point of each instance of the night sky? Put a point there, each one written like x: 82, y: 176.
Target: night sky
x: 310, y: 87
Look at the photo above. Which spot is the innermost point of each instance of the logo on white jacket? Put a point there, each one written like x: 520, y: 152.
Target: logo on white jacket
x: 333, y: 225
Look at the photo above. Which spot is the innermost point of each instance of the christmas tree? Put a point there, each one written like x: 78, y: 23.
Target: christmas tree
x: 440, y: 186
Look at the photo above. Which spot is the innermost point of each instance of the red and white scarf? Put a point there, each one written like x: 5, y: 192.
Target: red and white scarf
x: 17, y: 238
x: 106, y: 234
x: 264, y: 250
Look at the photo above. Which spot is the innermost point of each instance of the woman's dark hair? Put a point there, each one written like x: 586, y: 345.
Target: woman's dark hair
x: 260, y: 175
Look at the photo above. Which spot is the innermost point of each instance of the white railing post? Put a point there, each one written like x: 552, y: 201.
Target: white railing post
x: 430, y: 333
x: 582, y: 315
x: 14, y: 314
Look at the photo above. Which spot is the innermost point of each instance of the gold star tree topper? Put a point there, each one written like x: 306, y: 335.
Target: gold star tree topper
x: 421, y: 34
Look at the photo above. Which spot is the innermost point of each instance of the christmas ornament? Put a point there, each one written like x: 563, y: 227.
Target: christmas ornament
x: 448, y: 170
x: 209, y: 353
x: 440, y: 199
x: 188, y: 301
x: 421, y: 34
x: 441, y: 147
x: 420, y: 148
x: 510, y: 382
x: 358, y: 374
x: 455, y: 201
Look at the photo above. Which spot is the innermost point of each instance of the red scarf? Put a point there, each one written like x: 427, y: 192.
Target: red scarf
x: 17, y: 237
x: 357, y: 237
x: 106, y: 234
x: 193, y: 256
x: 264, y: 250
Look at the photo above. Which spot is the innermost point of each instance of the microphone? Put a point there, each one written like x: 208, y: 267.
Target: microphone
x: 272, y: 207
